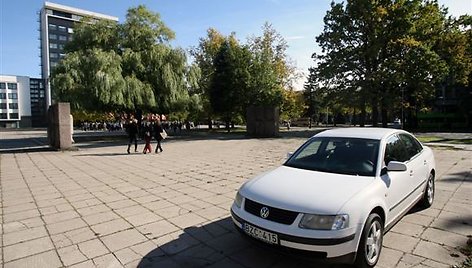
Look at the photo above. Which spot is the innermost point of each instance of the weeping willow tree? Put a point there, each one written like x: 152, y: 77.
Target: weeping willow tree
x: 110, y: 66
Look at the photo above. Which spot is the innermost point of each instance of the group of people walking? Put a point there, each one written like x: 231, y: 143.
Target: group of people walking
x: 149, y: 130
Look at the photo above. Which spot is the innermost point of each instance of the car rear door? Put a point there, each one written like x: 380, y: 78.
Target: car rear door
x: 417, y: 166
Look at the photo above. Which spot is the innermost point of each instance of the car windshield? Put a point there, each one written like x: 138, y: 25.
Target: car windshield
x: 350, y: 156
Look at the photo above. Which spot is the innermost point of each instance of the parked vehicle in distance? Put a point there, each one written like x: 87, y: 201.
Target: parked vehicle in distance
x: 338, y: 194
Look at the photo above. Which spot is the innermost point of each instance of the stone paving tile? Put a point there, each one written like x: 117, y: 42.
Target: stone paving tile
x: 71, y: 255
x: 101, y: 217
x: 65, y: 226
x: 157, y: 229
x: 143, y: 218
x: 437, y: 253
x: 24, y: 235
x: 123, y: 239
x: 401, y: 242
x: 44, y: 260
x: 110, y: 227
x: 92, y: 248
x: 27, y: 248
x: 107, y: 261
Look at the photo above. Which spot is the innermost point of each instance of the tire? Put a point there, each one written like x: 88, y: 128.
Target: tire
x: 370, y: 245
x: 429, y: 192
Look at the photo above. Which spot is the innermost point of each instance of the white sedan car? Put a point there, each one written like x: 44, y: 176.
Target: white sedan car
x: 338, y: 194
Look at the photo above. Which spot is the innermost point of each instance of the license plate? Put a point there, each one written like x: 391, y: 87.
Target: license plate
x: 265, y: 236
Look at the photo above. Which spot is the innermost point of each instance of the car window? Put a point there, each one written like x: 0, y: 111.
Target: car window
x: 413, y: 147
x: 395, y: 150
x: 337, y: 155
x: 310, y: 149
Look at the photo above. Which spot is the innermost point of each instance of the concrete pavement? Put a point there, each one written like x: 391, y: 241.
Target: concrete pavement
x: 100, y: 207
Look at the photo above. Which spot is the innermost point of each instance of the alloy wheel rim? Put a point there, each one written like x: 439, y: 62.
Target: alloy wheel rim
x: 373, y: 242
x: 430, y: 190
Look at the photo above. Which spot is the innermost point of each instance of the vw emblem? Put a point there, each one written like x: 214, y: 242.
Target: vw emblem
x: 264, y: 212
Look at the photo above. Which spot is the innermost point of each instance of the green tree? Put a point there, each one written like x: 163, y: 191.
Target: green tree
x: 373, y: 50
x: 229, y: 84
x: 204, y: 55
x: 126, y: 66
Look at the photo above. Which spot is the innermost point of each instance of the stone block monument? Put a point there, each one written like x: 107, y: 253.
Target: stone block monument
x: 262, y: 121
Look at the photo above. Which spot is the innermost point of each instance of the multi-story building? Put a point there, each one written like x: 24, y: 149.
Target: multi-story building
x: 15, y: 109
x: 38, y: 102
x: 56, y: 29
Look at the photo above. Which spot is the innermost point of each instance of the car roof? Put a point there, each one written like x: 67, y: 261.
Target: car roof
x: 359, y: 132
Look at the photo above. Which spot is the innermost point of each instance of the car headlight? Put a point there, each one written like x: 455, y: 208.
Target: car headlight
x: 324, y: 222
x: 238, y: 200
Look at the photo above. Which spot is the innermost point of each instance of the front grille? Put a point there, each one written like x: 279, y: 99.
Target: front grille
x: 275, y: 214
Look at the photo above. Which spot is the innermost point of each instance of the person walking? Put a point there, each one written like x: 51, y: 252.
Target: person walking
x: 159, y: 134
x: 132, y: 135
x: 147, y: 138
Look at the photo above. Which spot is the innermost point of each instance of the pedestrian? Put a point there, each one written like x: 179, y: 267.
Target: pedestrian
x: 147, y: 138
x: 159, y: 134
x: 132, y: 134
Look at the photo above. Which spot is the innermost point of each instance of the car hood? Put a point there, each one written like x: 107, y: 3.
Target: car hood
x: 304, y: 190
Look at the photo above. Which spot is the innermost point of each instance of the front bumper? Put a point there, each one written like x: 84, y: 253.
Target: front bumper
x: 341, y: 249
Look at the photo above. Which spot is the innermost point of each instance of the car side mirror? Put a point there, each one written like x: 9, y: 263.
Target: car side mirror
x: 396, y: 166
x: 289, y: 154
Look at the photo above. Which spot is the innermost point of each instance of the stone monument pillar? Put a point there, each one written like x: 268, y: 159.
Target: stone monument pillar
x: 59, y: 130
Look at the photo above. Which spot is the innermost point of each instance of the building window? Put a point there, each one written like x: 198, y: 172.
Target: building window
x: 13, y: 115
x: 62, y: 29
x: 62, y: 55
x: 62, y: 38
x: 3, y: 96
x: 70, y: 30
x: 53, y: 45
x: 53, y: 55
x: 70, y: 38
x: 3, y: 105
x: 52, y: 36
x: 12, y: 86
x: 13, y: 105
x: 61, y: 46
x: 53, y: 64
x: 13, y: 96
x: 52, y: 27
x: 2, y: 86
x: 3, y: 116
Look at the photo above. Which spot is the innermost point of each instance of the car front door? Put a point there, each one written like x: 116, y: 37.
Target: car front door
x: 398, y: 182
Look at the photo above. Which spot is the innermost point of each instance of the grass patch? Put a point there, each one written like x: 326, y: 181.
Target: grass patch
x: 429, y: 139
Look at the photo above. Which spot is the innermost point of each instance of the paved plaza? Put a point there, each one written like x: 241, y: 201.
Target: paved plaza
x: 100, y: 207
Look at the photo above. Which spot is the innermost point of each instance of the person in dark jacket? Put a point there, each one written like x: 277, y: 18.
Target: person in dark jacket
x: 133, y: 135
x: 158, y: 134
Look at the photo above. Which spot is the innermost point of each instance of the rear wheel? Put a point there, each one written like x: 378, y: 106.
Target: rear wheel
x: 368, y: 252
x: 428, y: 196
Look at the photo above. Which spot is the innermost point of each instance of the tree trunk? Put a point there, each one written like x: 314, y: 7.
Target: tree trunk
x: 363, y: 115
x: 375, y: 112
x: 384, y: 113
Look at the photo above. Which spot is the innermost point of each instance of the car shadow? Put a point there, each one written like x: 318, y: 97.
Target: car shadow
x: 219, y: 244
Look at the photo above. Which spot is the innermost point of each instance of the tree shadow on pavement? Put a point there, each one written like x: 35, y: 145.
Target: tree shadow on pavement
x: 219, y: 244
x: 464, y: 176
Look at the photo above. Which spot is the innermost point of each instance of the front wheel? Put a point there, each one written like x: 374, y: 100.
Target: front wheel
x: 428, y: 196
x: 368, y: 252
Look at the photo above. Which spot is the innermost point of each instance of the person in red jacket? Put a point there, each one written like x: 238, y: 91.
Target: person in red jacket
x: 147, y: 138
